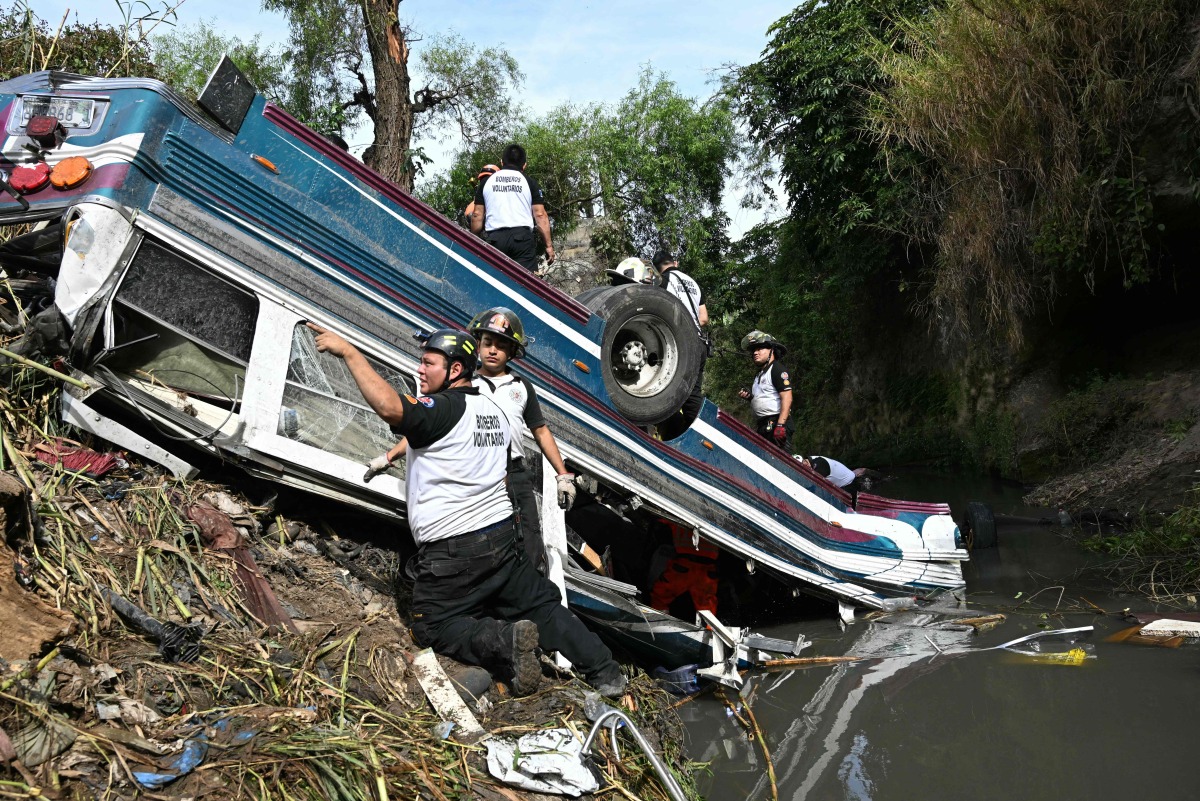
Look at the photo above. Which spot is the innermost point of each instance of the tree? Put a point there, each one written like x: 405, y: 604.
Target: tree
x: 651, y: 168
x: 348, y: 57
x: 1040, y: 116
x: 186, y: 57
x: 839, y: 250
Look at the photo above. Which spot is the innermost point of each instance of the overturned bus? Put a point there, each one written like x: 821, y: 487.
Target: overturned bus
x: 182, y: 248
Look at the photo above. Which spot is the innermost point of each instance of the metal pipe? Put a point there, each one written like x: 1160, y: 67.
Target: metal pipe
x: 668, y: 779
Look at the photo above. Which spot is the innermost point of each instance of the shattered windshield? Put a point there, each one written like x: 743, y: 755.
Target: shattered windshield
x: 322, y: 406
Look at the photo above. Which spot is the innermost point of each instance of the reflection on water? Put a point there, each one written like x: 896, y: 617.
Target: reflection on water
x: 925, y: 719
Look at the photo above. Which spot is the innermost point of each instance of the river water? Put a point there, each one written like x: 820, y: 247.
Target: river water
x: 976, y: 725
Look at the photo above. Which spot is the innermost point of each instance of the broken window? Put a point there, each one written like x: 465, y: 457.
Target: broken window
x: 322, y: 406
x: 180, y: 325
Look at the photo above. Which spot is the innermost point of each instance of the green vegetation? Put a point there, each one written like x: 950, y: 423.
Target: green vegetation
x: 185, y: 57
x: 652, y: 167
x: 1030, y: 116
x: 1080, y: 429
x: 954, y: 169
x: 1158, y: 558
x: 29, y: 43
x: 351, y: 60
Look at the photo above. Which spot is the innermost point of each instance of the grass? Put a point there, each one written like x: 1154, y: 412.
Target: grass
x: 1158, y: 558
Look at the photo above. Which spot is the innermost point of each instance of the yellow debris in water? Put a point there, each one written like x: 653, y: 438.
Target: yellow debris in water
x: 1076, y: 656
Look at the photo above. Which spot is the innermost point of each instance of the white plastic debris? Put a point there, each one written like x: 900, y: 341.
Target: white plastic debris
x: 1171, y: 628
x: 547, y: 761
x: 445, y: 698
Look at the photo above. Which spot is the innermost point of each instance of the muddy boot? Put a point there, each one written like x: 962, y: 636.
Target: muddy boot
x: 521, y: 656
x: 609, y: 681
x: 470, y: 681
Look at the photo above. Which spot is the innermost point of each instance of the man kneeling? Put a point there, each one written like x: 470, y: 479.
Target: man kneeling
x: 478, y: 598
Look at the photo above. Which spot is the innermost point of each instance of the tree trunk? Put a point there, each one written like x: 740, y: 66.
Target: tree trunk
x: 393, y: 112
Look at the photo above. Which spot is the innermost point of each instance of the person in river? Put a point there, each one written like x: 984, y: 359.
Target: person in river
x: 477, y: 597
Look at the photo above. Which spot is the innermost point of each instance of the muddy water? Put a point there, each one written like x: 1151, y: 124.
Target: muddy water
x: 977, y: 725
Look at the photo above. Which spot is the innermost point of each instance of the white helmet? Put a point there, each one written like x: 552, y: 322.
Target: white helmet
x: 633, y: 271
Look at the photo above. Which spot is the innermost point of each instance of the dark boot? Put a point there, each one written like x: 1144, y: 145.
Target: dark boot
x: 609, y: 681
x: 521, y: 657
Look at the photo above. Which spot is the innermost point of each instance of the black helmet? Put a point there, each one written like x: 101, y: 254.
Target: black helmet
x: 455, y: 345
x: 501, y: 322
x: 758, y: 339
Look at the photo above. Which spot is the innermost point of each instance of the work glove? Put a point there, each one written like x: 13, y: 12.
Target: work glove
x: 779, y: 434
x: 566, y: 491
x: 377, y: 466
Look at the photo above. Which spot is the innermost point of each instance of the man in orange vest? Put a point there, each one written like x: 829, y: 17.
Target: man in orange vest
x: 693, y: 569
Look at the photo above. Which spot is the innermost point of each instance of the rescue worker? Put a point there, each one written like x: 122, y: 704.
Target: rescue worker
x: 477, y: 598
x: 501, y: 338
x: 684, y: 287
x: 508, y: 205
x: 693, y: 569
x: 771, y: 394
x: 485, y: 172
x: 838, y: 474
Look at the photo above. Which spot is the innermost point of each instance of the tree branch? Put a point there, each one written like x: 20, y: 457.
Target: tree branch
x: 362, y: 98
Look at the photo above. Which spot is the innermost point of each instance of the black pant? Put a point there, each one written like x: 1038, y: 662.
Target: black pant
x: 678, y: 423
x: 520, y: 490
x: 691, y: 406
x: 471, y: 588
x: 764, y: 425
x: 517, y: 244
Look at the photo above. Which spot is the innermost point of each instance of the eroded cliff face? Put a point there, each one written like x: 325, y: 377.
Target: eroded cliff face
x: 1101, y: 408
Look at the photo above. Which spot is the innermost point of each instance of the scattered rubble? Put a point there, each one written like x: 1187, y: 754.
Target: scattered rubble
x: 173, y: 638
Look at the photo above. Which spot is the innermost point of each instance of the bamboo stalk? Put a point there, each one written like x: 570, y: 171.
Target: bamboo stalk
x: 183, y: 610
x: 380, y: 781
x: 50, y: 371
x: 32, y: 670
x: 766, y: 752
x: 805, y: 661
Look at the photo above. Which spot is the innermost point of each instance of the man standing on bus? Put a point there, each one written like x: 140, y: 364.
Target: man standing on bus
x: 508, y: 206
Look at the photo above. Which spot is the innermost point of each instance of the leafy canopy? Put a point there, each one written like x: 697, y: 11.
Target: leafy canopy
x: 187, y: 56
x: 651, y: 167
x: 810, y: 279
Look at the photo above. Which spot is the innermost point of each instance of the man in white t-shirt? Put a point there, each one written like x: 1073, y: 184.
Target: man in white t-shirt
x: 477, y: 598
x: 838, y: 474
x: 508, y: 206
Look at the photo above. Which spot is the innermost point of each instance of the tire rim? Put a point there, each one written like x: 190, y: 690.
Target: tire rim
x: 644, y: 356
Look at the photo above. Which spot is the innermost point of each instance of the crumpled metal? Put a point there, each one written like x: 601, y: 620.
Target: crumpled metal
x: 547, y: 761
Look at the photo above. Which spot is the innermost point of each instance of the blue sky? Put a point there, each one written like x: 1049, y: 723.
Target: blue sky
x: 582, y: 51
